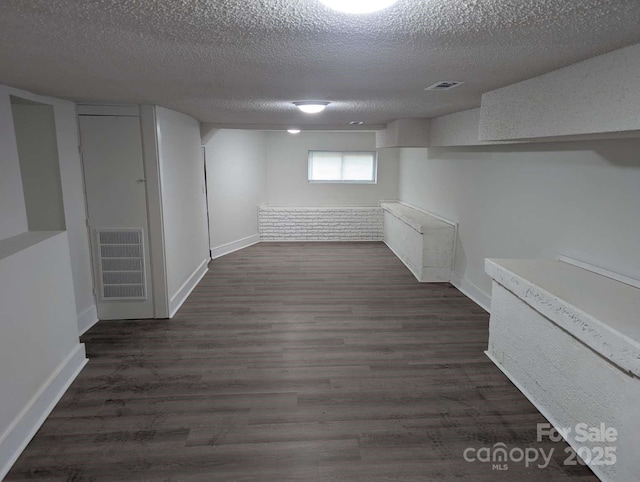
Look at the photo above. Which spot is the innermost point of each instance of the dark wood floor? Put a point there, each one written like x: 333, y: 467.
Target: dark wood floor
x: 293, y: 362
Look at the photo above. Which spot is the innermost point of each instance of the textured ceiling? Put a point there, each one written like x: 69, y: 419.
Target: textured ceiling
x: 236, y: 62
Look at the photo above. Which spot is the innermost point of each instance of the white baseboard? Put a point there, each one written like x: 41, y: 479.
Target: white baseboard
x: 185, y: 290
x: 234, y: 246
x: 87, y: 319
x: 472, y: 291
x: 21, y: 431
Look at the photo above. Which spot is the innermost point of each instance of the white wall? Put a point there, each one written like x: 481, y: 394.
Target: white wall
x: 38, y: 153
x: 39, y: 330
x: 236, y: 180
x: 405, y: 133
x: 287, y: 170
x: 248, y: 168
x: 13, y: 218
x: 75, y: 212
x: 45, y: 281
x: 183, y: 198
x: 581, y: 199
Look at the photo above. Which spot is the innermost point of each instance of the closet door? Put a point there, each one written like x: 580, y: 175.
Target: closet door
x: 117, y: 211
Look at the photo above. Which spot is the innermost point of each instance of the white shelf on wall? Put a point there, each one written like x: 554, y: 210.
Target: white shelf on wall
x: 598, y: 270
x: 15, y: 244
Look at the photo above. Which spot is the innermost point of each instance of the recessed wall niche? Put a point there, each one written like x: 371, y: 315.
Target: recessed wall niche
x: 35, y: 130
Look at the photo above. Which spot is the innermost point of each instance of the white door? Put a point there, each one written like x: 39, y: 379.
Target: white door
x: 117, y: 211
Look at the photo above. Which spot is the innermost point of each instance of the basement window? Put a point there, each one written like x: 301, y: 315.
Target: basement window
x: 351, y: 167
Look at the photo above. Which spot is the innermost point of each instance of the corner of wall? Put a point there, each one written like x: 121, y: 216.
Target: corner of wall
x: 472, y: 291
x: 228, y: 248
x: 87, y: 319
x: 178, y: 299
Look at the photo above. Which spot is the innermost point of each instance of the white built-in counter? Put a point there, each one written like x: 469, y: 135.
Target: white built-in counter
x: 569, y: 339
x: 423, y: 242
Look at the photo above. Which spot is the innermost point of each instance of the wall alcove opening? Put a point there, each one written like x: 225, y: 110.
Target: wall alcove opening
x: 35, y: 131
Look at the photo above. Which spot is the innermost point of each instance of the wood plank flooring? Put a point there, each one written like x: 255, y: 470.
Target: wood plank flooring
x: 294, y: 362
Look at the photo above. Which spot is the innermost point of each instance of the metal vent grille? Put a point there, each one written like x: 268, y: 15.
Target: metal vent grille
x: 121, y: 254
x: 444, y: 85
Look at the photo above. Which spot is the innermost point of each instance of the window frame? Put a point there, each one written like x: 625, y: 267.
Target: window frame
x: 374, y: 179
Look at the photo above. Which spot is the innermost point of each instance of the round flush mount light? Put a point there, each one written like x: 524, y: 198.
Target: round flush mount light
x: 358, y: 6
x: 311, y: 106
x: 293, y: 131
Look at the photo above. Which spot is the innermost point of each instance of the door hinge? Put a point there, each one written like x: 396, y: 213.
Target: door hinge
x: 86, y: 222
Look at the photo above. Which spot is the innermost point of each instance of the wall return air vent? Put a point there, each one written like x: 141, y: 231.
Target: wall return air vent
x: 121, y: 258
x: 444, y: 85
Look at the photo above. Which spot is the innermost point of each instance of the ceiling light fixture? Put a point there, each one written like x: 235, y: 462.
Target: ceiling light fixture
x: 358, y: 6
x: 311, y: 106
x: 356, y: 123
x: 293, y: 131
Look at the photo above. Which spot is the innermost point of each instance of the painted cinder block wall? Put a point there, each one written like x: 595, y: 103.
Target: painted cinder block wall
x: 320, y: 223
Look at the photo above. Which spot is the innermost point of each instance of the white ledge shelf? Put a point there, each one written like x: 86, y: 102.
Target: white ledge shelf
x: 600, y: 312
x: 417, y: 220
x: 568, y: 338
x: 15, y: 244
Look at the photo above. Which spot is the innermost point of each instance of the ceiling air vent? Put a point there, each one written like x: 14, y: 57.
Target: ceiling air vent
x: 444, y: 85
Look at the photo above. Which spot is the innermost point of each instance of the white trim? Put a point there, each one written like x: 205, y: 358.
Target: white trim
x: 16, y: 437
x: 109, y: 109
x: 470, y: 290
x: 429, y: 213
x: 155, y: 217
x: 87, y: 319
x: 187, y: 287
x: 544, y: 413
x: 601, y: 271
x: 234, y: 246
